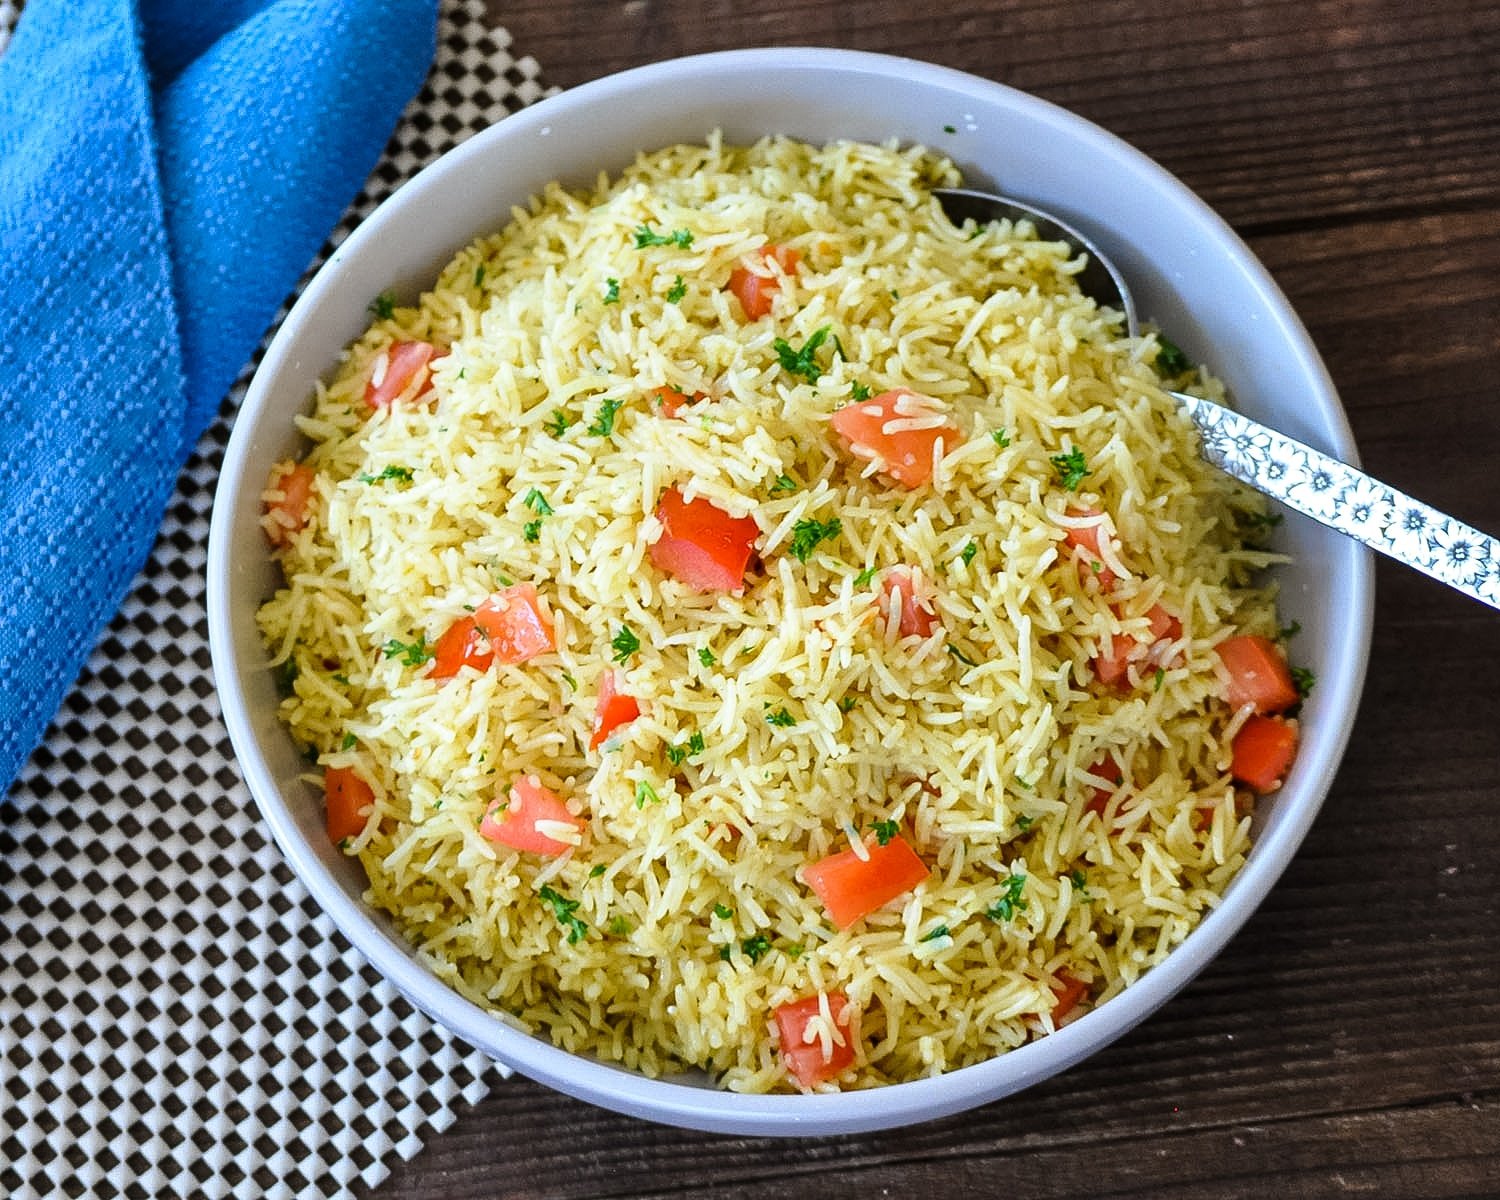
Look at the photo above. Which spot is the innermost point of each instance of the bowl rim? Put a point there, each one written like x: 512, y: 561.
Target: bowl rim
x: 782, y: 1114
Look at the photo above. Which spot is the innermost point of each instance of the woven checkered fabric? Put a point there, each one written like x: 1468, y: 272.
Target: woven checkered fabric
x: 177, y: 1017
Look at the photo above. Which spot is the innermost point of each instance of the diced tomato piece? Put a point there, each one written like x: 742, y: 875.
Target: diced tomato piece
x: 755, y: 291
x: 702, y: 545
x: 1085, y: 539
x: 515, y: 624
x: 463, y: 645
x: 613, y: 710
x: 905, y: 454
x: 289, y: 514
x: 851, y: 887
x: 805, y: 1059
x: 669, y: 400
x: 1108, y: 767
x: 1110, y: 668
x: 1258, y: 674
x: 1069, y: 991
x: 1263, y: 750
x: 345, y: 798
x: 395, y: 371
x: 512, y: 821
x: 918, y: 616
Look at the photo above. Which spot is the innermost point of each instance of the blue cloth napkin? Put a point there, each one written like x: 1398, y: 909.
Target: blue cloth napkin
x: 168, y: 169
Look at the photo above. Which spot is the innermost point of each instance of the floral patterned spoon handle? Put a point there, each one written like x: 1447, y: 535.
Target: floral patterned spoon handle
x: 1348, y: 500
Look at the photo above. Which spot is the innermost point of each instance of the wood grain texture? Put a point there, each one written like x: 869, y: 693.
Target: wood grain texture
x: 1348, y: 1040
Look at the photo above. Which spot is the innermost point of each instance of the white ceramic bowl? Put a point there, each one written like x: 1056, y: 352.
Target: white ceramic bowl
x: 1190, y: 273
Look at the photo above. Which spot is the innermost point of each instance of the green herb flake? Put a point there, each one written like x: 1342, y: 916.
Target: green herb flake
x: 723, y: 912
x: 706, y: 656
x: 413, y: 654
x: 968, y: 552
x: 808, y: 534
x: 479, y: 275
x: 1071, y: 468
x: 645, y: 236
x: 604, y: 423
x: 1287, y: 632
x: 858, y: 392
x: 286, y: 676
x: 400, y: 474
x: 1170, y: 360
x: 1080, y: 880
x: 1011, y: 901
x: 960, y: 655
x: 784, y: 483
x: 950, y: 129
x: 795, y: 950
x: 677, y: 291
x: 726, y: 952
x: 885, y: 831
x: 780, y: 718
x: 802, y: 362
x: 645, y: 793
x: 1303, y: 679
x: 1001, y: 436
x: 757, y: 947
x: 340, y: 677
x: 349, y: 742
x: 570, y: 681
x: 865, y: 576
x: 597, y: 870
x: 532, y: 530
x: 559, y: 423
x: 695, y: 744
x: 1025, y: 823
x: 611, y: 290
x: 384, y: 305
x: 625, y: 644
x: 537, y: 503
x: 563, y: 909
x: 846, y: 703
x: 620, y: 927
x: 932, y: 935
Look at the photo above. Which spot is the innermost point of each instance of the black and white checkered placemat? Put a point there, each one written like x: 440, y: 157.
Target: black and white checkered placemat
x: 177, y: 1017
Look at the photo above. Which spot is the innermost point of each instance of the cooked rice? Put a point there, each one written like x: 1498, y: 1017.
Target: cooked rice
x: 985, y: 766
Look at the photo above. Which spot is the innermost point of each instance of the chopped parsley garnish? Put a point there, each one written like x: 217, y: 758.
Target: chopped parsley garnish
x: 620, y: 927
x: 1287, y: 632
x: 1170, y: 360
x: 795, y: 950
x: 847, y: 702
x: 1161, y: 675
x: 563, y: 909
x: 694, y: 745
x: 570, y: 681
x: 757, y: 947
x: 479, y: 275
x: 384, y: 305
x: 532, y: 530
x: 807, y: 534
x: 723, y: 912
x: 646, y: 236
x: 1002, y: 438
x: 611, y: 290
x: 625, y: 644
x: 676, y: 754
x: 286, y: 676
x: 1011, y: 902
x: 597, y: 870
x: 706, y: 656
x: 784, y: 483
x: 559, y: 423
x: 1080, y: 880
x: 960, y: 655
x: 865, y: 576
x: 349, y: 742
x: 340, y: 677
x: 780, y: 718
x: 802, y: 362
x: 677, y: 291
x: 401, y: 474
x: 604, y: 423
x: 885, y: 831
x: 1303, y: 679
x: 537, y: 503
x: 932, y: 935
x: 644, y: 792
x: 858, y: 392
x: 1071, y: 468
x: 1025, y: 823
x: 413, y: 654
x: 950, y: 129
x: 968, y: 552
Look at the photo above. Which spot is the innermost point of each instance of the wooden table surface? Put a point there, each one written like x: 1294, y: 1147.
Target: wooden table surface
x: 1348, y: 1040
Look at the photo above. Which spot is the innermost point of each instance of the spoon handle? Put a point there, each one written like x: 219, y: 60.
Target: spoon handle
x: 1348, y: 500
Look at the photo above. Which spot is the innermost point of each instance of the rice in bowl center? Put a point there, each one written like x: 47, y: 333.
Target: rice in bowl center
x: 744, y: 621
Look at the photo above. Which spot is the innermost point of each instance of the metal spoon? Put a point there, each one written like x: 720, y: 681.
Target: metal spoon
x: 1323, y: 488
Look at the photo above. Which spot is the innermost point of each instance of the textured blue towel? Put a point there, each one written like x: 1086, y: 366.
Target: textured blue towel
x: 168, y: 168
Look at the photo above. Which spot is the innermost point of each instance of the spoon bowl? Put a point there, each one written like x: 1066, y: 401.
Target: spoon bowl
x: 1318, y: 485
